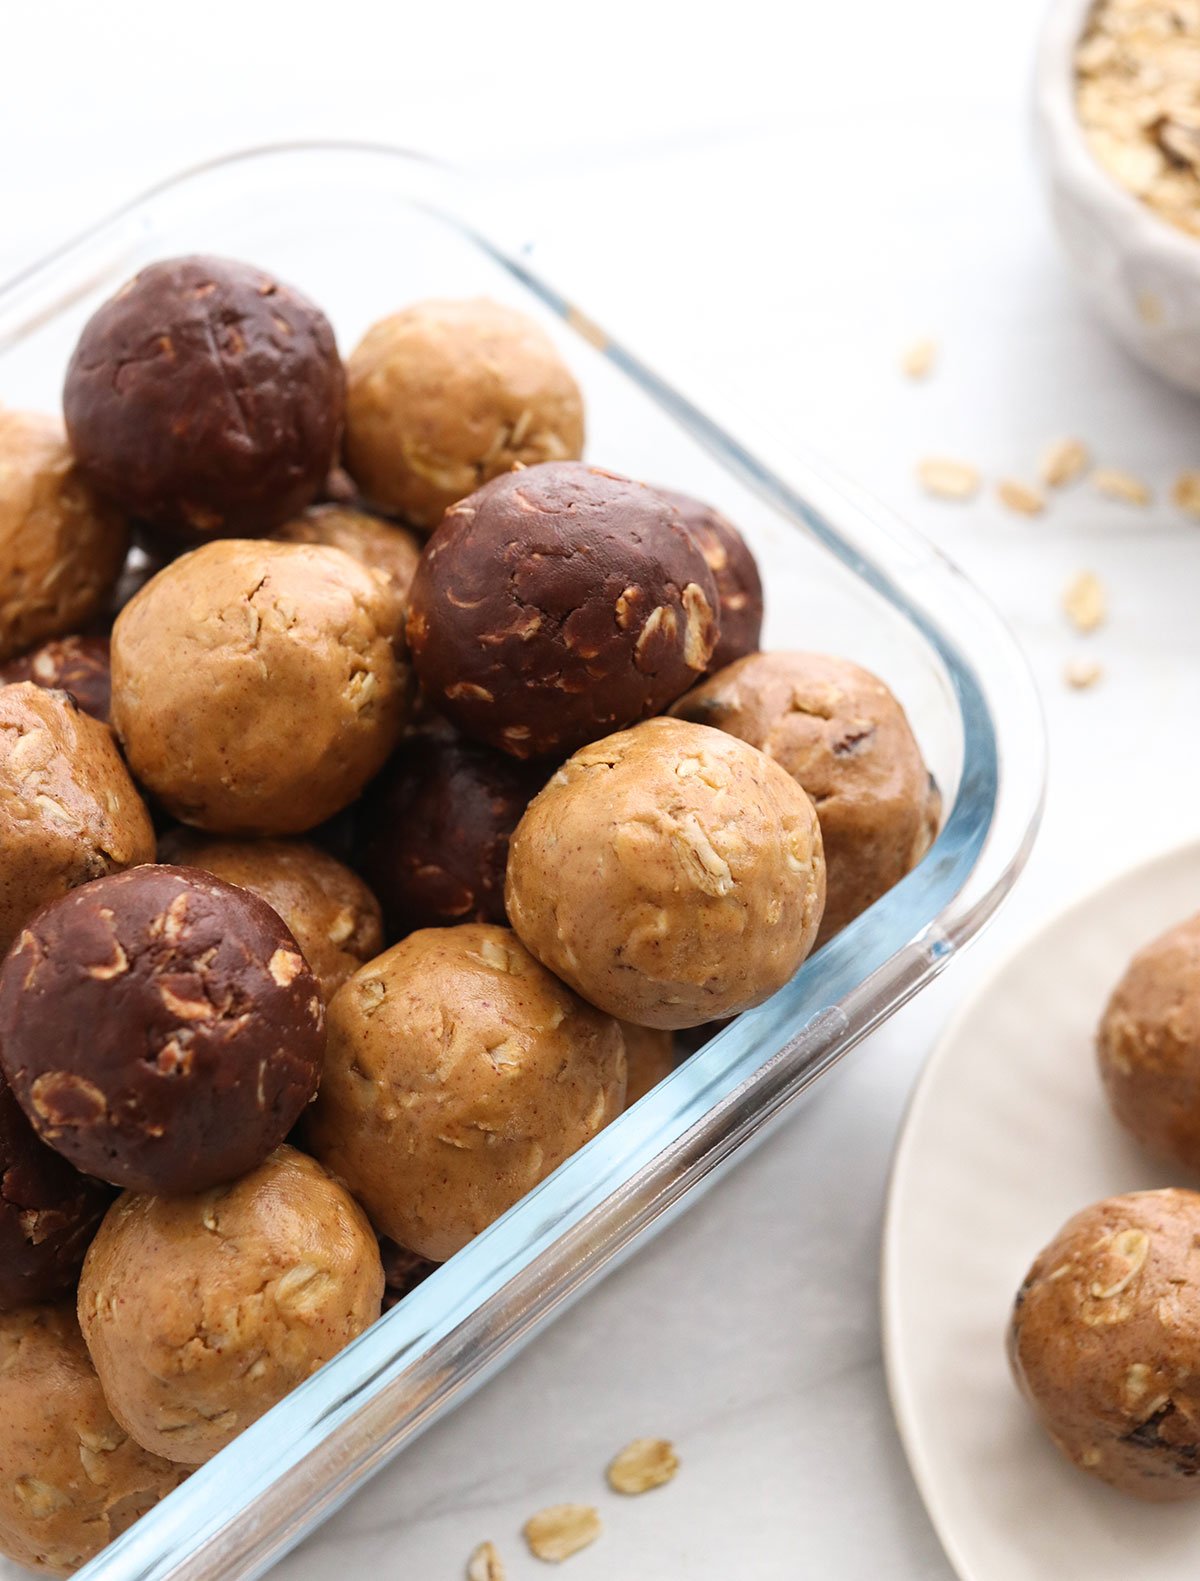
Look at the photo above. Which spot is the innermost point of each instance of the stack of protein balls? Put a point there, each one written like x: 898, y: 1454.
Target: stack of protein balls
x: 388, y: 665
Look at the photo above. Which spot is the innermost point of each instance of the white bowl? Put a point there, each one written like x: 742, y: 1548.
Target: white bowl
x: 1140, y: 272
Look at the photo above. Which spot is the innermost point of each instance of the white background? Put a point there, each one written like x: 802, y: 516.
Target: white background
x: 778, y: 199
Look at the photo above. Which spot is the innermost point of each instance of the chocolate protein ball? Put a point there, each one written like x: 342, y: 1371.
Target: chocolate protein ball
x: 71, y: 1479
x: 69, y: 811
x: 330, y: 912
x: 459, y: 1073
x: 432, y: 831
x: 256, y: 688
x: 649, y: 1055
x: 557, y: 604
x: 670, y: 874
x: 1149, y: 1046
x: 160, y: 1028
x: 61, y: 548
x: 445, y: 395
x: 205, y: 398
x: 1105, y: 1342
x: 78, y: 665
x: 202, y: 1312
x: 402, y: 1271
x: 379, y: 545
x: 48, y: 1213
x: 840, y: 733
x: 735, y: 571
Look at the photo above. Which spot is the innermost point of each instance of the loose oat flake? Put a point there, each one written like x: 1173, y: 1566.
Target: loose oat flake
x: 1063, y: 462
x: 485, y: 1564
x: 1019, y: 497
x: 554, y: 1534
x: 1080, y: 674
x: 1084, y: 602
x: 1186, y: 493
x: 644, y: 1464
x: 948, y: 480
x: 1123, y: 486
x: 918, y: 360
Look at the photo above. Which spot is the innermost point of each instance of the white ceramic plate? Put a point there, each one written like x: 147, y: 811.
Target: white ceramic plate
x: 1007, y: 1136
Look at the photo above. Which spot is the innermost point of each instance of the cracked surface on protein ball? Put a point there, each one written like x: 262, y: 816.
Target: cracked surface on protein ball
x: 445, y: 395
x: 842, y: 735
x: 69, y: 811
x: 459, y: 1073
x: 206, y: 398
x: 379, y: 545
x: 201, y: 1312
x: 160, y: 1028
x: 61, y: 548
x: 71, y: 1479
x: 78, y: 665
x: 256, y: 688
x: 735, y: 572
x: 559, y: 603
x: 1105, y: 1342
x: 671, y: 874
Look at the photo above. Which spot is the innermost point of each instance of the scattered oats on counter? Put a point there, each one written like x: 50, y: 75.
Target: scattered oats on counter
x: 485, y: 1564
x: 554, y: 1534
x: 1084, y: 602
x: 1019, y: 497
x: 1186, y: 493
x: 1063, y: 462
x: 644, y: 1464
x: 919, y: 359
x: 948, y: 480
x: 1080, y: 674
x: 1117, y: 485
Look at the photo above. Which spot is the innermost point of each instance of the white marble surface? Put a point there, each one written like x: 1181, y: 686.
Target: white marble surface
x: 780, y: 207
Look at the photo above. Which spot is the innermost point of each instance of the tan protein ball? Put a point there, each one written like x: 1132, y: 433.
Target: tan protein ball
x: 202, y: 1312
x: 69, y: 811
x: 670, y: 873
x: 459, y: 1073
x: 1105, y: 1342
x: 331, y: 913
x: 840, y: 733
x: 71, y: 1480
x: 255, y: 686
x: 445, y: 395
x: 61, y: 547
x: 1149, y: 1046
x: 650, y: 1055
x: 379, y: 545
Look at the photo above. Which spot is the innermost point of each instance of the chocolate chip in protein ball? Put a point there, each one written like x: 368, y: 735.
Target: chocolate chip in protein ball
x: 735, y: 571
x: 206, y: 398
x: 48, y: 1213
x: 556, y: 604
x: 160, y: 1028
x: 79, y: 665
x: 432, y: 831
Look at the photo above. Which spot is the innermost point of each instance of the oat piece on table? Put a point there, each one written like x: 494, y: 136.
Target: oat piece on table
x: 1019, y: 497
x: 1063, y: 462
x: 643, y: 1464
x: 947, y: 479
x: 485, y: 1564
x: 1085, y: 602
x: 559, y: 1531
x: 1116, y: 484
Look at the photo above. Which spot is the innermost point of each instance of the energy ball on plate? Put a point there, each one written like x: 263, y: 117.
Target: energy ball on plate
x: 78, y: 665
x: 61, y: 548
x: 557, y: 604
x: 650, y: 1055
x: 379, y: 545
x: 671, y: 874
x: 1149, y: 1046
x: 445, y: 395
x: 206, y: 398
x: 69, y: 811
x: 459, y: 1074
x: 840, y: 733
x: 256, y: 688
x: 735, y: 571
x: 432, y: 831
x: 71, y: 1479
x: 1105, y: 1342
x: 202, y: 1312
x: 330, y: 912
x: 160, y: 1028
x: 48, y: 1213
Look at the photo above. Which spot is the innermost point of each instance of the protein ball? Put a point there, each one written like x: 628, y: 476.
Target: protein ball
x: 735, y: 571
x: 78, y: 665
x: 432, y: 831
x: 202, y: 1312
x: 557, y: 604
x: 459, y: 1073
x: 160, y: 1028
x: 840, y: 733
x: 48, y: 1213
x: 1149, y: 1046
x: 379, y: 545
x: 402, y: 1271
x: 445, y: 395
x: 71, y: 1479
x: 1105, y: 1342
x: 256, y: 688
x: 61, y: 548
x: 68, y: 809
x: 330, y: 912
x: 649, y: 1055
x: 206, y: 398
x: 671, y: 874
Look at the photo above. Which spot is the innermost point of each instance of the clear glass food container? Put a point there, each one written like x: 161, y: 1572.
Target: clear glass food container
x: 363, y: 230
